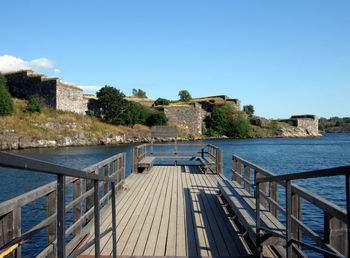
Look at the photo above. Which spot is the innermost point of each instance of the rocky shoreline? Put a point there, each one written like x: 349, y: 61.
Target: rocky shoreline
x: 10, y: 141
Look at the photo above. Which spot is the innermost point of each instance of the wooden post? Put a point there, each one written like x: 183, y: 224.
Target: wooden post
x: 274, y: 196
x: 263, y: 188
x: 51, y: 230
x: 238, y: 171
x: 78, y: 208
x: 10, y: 228
x: 335, y: 233
x: 106, y: 185
x: 151, y: 148
x: 133, y: 161
x: 234, y: 167
x: 89, y: 201
x: 247, y: 177
x: 219, y: 162
x: 297, y: 213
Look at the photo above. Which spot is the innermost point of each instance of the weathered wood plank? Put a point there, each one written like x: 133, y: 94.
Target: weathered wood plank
x: 163, y: 229
x: 150, y: 217
x: 77, y: 209
x: 140, y: 215
x: 181, y: 249
x: 51, y: 230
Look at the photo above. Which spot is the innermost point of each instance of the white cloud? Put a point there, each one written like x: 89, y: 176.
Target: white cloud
x: 10, y: 63
x: 90, y: 88
x: 56, y: 71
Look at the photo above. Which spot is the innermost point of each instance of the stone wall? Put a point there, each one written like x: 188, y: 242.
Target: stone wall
x: 69, y: 98
x: 90, y: 103
x: 187, y: 116
x: 307, y: 122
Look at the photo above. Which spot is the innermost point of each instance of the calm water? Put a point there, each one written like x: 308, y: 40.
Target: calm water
x: 279, y: 155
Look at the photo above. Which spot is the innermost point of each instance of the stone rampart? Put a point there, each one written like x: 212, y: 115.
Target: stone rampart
x: 308, y: 123
x: 186, y: 116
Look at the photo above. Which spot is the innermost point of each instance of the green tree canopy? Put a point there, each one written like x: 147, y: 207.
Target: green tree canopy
x: 6, y: 103
x: 218, y: 121
x: 162, y: 102
x: 238, y: 127
x: 139, y: 93
x: 114, y: 106
x: 157, y: 118
x: 185, y: 95
x: 249, y: 110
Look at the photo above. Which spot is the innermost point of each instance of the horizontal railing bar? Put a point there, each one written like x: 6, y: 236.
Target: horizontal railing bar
x: 318, y: 201
x: 273, y: 232
x: 80, y: 220
x: 103, y: 163
x: 173, y: 152
x: 88, y: 244
x: 338, y: 171
x: 30, y: 196
x: 24, y: 163
x: 316, y: 249
x: 179, y: 144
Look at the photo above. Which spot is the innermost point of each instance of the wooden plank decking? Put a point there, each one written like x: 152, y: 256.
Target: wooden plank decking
x: 172, y: 211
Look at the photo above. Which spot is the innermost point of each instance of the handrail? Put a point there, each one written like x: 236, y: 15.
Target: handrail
x: 266, y: 193
x: 177, y: 154
x: 65, y: 175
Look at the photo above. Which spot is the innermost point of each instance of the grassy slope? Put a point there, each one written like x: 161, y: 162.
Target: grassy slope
x: 52, y: 123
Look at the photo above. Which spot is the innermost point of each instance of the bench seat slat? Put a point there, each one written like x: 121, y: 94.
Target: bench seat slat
x: 243, y: 205
x: 146, y: 162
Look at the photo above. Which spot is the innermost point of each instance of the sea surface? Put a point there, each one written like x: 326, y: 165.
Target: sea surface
x: 278, y: 155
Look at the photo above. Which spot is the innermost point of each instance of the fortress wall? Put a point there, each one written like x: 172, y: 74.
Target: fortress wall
x: 69, y: 98
x: 190, y: 117
x: 309, y: 124
x: 90, y: 103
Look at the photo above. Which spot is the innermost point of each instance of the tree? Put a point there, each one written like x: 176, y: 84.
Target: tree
x: 185, y: 95
x: 157, y: 118
x: 114, y: 106
x: 139, y: 93
x: 249, y: 110
x: 6, y: 102
x: 35, y: 104
x: 238, y: 127
x: 218, y: 121
x: 162, y: 102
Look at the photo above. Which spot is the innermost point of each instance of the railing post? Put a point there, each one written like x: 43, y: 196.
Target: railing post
x: 77, y: 209
x: 347, y: 180
x: 51, y: 230
x: 133, y: 161
x: 61, y: 213
x: 10, y: 225
x: 257, y: 212
x: 239, y: 172
x: 151, y: 148
x: 219, y: 161
x: 114, y: 224
x: 335, y: 233
x: 288, y: 218
x: 106, y: 185
x: 297, y: 213
x: 202, y: 152
x: 274, y: 196
x: 89, y: 201
x: 97, y: 218
x: 247, y: 178
x: 263, y: 188
x: 234, y: 167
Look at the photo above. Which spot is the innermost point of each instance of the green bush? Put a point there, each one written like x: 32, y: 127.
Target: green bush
x: 157, y: 118
x: 185, y: 95
x: 218, y: 121
x: 35, y: 104
x: 91, y: 113
x: 162, y: 102
x: 238, y: 127
x: 6, y: 103
x: 249, y: 110
x: 139, y: 93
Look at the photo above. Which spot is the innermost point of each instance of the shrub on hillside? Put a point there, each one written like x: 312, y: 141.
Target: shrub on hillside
x: 249, y: 110
x: 238, y: 127
x: 162, y: 102
x: 35, y: 104
x: 157, y: 118
x: 218, y: 121
x: 6, y: 102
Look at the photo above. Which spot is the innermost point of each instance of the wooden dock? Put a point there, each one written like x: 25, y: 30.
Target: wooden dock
x: 172, y: 211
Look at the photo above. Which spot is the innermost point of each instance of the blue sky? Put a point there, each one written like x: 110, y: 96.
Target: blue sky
x: 283, y: 57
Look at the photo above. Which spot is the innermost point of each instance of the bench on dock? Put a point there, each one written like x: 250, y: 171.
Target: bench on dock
x: 206, y: 163
x: 146, y: 162
x: 243, y: 205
